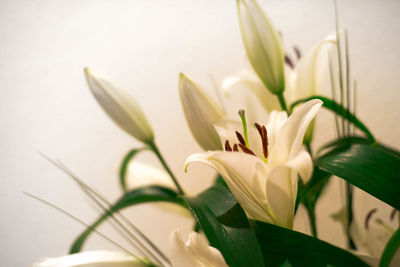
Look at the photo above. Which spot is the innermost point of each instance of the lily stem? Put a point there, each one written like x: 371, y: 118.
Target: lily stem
x: 311, y: 214
x: 154, y: 148
x: 349, y: 195
x: 282, y: 102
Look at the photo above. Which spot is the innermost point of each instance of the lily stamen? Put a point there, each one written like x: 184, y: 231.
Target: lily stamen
x: 240, y: 138
x: 227, y: 146
x: 235, y: 148
x: 392, y: 214
x: 368, y: 218
x: 246, y: 150
x: 244, y: 123
x: 264, y: 138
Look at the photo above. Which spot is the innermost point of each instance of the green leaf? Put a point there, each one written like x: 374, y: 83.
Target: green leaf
x: 370, y: 168
x: 341, y: 111
x: 136, y: 196
x: 390, y: 249
x: 124, y: 165
x: 226, y: 226
x: 279, y: 244
x: 314, y: 188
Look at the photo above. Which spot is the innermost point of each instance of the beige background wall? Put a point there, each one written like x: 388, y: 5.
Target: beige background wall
x: 45, y: 104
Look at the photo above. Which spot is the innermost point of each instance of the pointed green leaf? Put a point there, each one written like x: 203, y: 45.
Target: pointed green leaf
x: 136, y: 196
x: 372, y: 169
x: 226, y: 226
x: 341, y: 111
x: 279, y: 244
x: 124, y: 165
x: 390, y: 250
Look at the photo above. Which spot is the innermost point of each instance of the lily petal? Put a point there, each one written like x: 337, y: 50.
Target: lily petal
x: 281, y: 190
x: 276, y: 120
x: 303, y: 164
x: 312, y: 69
x: 196, y: 252
x: 267, y: 99
x: 201, y: 113
x: 120, y: 106
x: 245, y: 176
x: 290, y: 139
x: 140, y: 174
x: 92, y: 259
x: 262, y: 44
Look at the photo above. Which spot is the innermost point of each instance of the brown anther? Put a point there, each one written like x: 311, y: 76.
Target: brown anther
x: 392, y: 214
x: 246, y: 150
x: 264, y: 138
x: 368, y: 217
x: 240, y: 138
x: 235, y: 148
x: 227, y: 146
x: 297, y: 52
x: 289, y: 62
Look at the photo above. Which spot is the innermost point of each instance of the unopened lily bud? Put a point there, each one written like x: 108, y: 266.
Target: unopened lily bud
x: 201, y: 113
x: 120, y: 106
x: 262, y: 44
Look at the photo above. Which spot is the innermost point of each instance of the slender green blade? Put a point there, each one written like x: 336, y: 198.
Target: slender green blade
x: 341, y: 111
x: 226, y: 226
x: 390, y: 250
x: 124, y: 166
x: 279, y: 244
x: 134, y: 197
x: 370, y: 168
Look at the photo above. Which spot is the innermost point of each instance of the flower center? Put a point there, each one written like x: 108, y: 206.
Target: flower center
x: 243, y: 141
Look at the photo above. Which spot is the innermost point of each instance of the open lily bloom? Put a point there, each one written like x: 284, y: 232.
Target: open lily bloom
x: 263, y: 178
x: 307, y: 77
x: 371, y: 236
x: 195, y: 252
x: 92, y: 259
x: 141, y: 174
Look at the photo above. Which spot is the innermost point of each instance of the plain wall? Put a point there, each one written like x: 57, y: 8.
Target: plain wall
x: 46, y: 105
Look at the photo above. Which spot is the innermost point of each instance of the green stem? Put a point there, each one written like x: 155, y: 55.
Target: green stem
x: 349, y: 195
x: 282, y: 102
x: 154, y: 147
x: 311, y: 215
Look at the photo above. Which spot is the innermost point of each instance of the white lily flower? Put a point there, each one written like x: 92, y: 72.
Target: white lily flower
x: 371, y: 236
x: 92, y: 259
x: 265, y: 184
x: 139, y: 174
x: 201, y: 113
x: 195, y: 253
x: 262, y: 44
x: 309, y: 77
x: 120, y: 106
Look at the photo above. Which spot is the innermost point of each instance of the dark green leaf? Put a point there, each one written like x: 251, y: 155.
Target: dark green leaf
x: 279, y: 244
x: 372, y: 169
x: 124, y: 165
x: 341, y: 111
x: 226, y: 226
x: 136, y: 196
x: 390, y: 250
x: 314, y: 188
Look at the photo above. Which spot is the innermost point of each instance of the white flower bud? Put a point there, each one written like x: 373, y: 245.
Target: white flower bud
x: 120, y: 106
x: 201, y: 113
x: 262, y: 44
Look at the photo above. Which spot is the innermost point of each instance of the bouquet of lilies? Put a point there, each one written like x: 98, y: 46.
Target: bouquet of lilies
x: 266, y: 169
